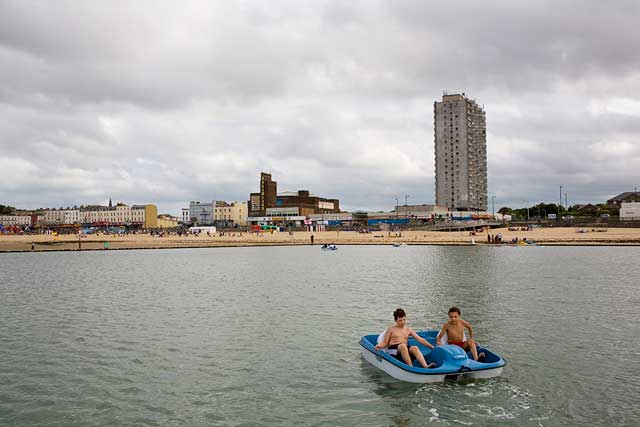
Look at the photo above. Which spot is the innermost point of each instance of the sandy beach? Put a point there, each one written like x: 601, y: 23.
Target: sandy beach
x: 545, y: 236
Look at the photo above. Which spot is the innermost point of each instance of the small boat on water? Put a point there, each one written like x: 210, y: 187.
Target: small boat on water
x: 452, y: 362
x: 525, y: 242
x: 330, y: 247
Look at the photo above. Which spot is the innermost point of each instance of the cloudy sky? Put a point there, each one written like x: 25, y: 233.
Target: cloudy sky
x: 166, y: 102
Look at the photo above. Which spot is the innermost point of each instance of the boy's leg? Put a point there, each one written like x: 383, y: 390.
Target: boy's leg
x: 471, y: 344
x: 404, y: 352
x: 415, y: 351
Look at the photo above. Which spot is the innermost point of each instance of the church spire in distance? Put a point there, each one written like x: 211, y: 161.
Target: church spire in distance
x: 110, y: 204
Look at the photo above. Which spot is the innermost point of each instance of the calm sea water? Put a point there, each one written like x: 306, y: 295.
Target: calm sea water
x: 269, y: 336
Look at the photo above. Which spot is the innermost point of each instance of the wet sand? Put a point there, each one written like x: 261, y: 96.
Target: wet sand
x: 545, y: 236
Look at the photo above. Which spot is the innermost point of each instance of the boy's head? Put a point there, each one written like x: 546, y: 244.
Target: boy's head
x: 454, y: 314
x: 400, y: 316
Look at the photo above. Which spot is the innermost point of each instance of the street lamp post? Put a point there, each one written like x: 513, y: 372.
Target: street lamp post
x: 396, y: 208
x: 539, y: 212
x: 406, y: 207
x: 493, y: 207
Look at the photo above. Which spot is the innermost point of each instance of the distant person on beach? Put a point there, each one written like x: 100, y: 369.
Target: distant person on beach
x: 454, y: 329
x: 312, y: 239
x: 396, y: 340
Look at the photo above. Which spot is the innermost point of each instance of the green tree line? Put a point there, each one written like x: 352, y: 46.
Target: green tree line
x: 7, y: 210
x: 541, y: 210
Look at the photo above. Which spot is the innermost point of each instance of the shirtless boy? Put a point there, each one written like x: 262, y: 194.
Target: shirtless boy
x: 397, y: 337
x: 454, y: 329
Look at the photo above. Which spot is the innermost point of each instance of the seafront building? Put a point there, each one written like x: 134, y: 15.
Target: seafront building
x: 141, y: 216
x: 168, y: 221
x: 420, y: 211
x: 230, y: 214
x: 460, y: 153
x: 266, y: 198
x: 614, y: 204
x: 145, y: 216
x: 201, y: 213
x: 630, y: 211
x: 11, y: 220
x: 219, y: 213
x: 61, y: 216
x: 291, y: 207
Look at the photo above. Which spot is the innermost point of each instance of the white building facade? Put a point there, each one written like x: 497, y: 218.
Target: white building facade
x: 121, y: 214
x: 630, y: 211
x: 61, y: 216
x: 10, y: 220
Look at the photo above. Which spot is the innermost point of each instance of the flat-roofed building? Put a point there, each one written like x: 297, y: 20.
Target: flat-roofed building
x: 420, y: 211
x: 266, y: 198
x: 120, y: 215
x: 96, y: 215
x: 282, y: 212
x: 167, y: 221
x: 61, y: 216
x: 148, y: 214
x: 11, y: 220
x: 460, y: 153
x: 202, y: 213
x: 306, y: 203
x: 231, y: 214
x: 630, y: 211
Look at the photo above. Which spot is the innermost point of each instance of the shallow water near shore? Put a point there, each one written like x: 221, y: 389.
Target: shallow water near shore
x: 269, y: 336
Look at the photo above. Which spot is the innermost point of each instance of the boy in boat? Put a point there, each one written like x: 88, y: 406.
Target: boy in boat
x: 454, y: 329
x: 397, y: 337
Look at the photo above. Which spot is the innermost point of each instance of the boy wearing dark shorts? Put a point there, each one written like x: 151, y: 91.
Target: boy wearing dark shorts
x: 397, y: 338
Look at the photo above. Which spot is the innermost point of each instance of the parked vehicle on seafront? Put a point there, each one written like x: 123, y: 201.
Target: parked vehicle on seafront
x: 203, y: 229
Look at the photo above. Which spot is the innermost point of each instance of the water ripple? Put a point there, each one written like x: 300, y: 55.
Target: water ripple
x: 268, y: 336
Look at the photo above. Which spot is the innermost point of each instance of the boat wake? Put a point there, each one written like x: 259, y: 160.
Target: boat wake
x: 479, y: 402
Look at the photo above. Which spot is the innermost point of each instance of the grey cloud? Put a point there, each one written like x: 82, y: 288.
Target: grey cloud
x: 154, y: 101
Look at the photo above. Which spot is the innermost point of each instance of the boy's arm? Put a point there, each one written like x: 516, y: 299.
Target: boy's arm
x: 440, y: 334
x: 420, y: 339
x: 468, y: 326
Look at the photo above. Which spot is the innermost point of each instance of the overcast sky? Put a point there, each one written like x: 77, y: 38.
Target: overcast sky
x: 166, y: 102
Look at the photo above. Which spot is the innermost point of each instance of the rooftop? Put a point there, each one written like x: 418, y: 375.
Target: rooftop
x: 624, y: 195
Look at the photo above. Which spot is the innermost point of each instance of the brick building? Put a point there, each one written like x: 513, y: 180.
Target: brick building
x: 300, y: 203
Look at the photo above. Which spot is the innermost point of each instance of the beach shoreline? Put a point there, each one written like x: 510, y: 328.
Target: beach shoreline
x: 541, y: 236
